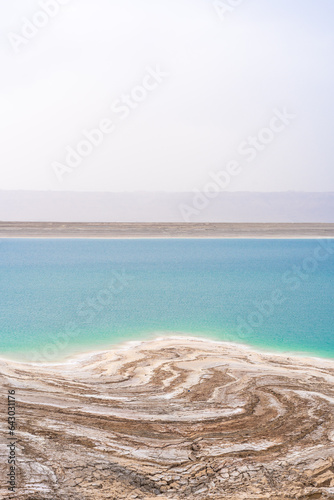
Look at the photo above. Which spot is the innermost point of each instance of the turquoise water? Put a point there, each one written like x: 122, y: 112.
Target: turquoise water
x: 64, y: 296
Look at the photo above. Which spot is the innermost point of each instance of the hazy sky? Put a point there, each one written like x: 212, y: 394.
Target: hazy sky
x: 180, y: 88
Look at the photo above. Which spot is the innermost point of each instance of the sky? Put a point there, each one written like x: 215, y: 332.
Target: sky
x: 153, y: 95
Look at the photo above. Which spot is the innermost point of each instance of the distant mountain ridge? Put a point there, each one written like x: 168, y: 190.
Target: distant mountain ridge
x: 59, y: 206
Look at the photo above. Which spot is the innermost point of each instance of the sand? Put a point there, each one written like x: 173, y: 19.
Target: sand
x: 173, y: 418
x: 163, y: 230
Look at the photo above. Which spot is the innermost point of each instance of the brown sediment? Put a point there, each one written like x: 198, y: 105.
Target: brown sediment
x: 173, y: 418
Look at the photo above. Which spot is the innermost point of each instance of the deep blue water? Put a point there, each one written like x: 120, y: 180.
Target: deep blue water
x: 60, y: 296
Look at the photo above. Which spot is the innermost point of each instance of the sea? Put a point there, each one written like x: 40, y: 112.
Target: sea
x: 63, y: 297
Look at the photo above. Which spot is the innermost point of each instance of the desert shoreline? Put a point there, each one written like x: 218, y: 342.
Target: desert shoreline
x: 174, y: 418
x: 164, y: 230
x: 188, y: 340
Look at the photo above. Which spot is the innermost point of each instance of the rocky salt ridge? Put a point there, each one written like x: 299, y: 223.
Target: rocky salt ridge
x: 172, y: 418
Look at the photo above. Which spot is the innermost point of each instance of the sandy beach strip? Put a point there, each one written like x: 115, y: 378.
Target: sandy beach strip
x: 163, y: 230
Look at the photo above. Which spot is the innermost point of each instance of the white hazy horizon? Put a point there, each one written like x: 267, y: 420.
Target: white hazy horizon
x: 38, y: 206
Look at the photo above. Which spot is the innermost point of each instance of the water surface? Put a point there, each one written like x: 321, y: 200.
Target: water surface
x: 64, y: 296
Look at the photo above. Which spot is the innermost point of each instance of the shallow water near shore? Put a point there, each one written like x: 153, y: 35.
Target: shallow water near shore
x: 64, y: 296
